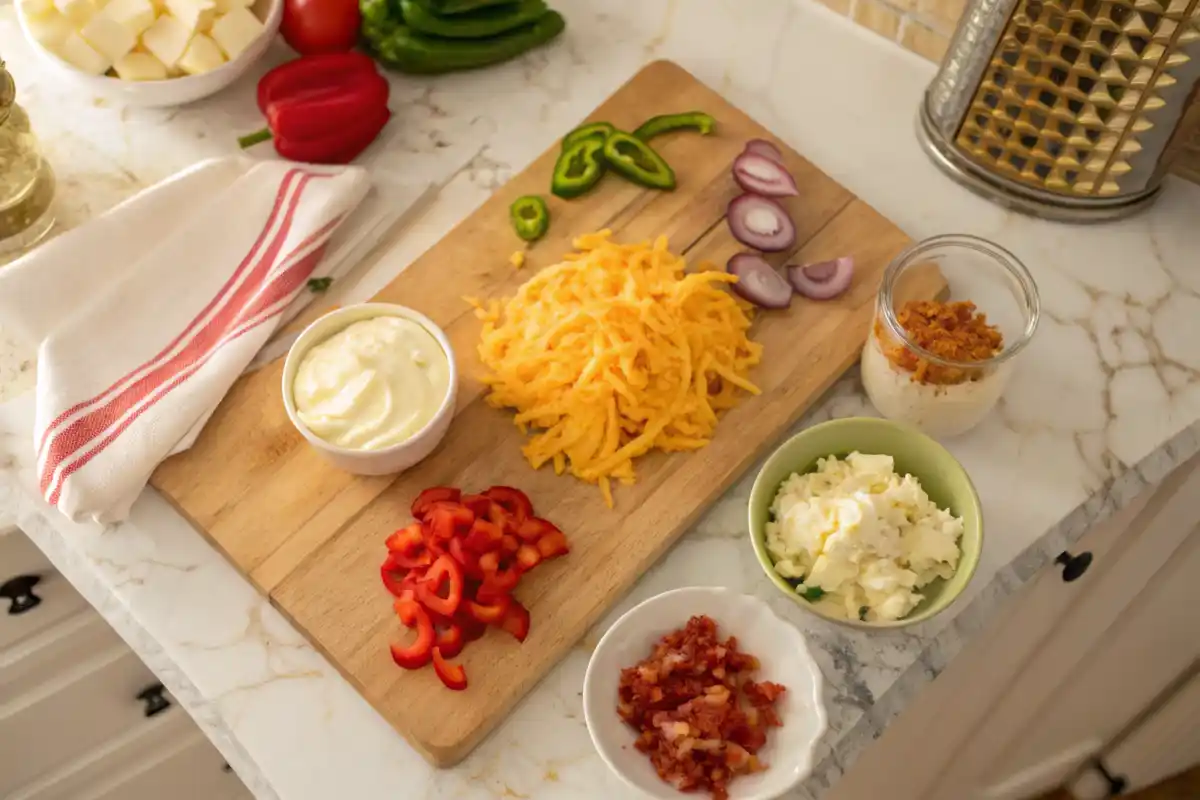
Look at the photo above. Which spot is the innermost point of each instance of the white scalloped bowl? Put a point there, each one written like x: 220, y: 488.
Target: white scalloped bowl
x: 785, y: 658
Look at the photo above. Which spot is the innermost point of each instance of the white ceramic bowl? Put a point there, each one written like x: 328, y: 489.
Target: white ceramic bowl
x: 778, y: 645
x: 173, y: 91
x: 388, y: 460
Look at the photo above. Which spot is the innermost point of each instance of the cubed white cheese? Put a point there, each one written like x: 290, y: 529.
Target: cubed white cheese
x: 109, y: 37
x: 136, y: 15
x: 140, y: 67
x: 201, y: 56
x: 35, y: 8
x: 50, y: 28
x: 78, y: 12
x: 225, y: 6
x: 167, y: 38
x: 233, y: 32
x: 81, y: 55
x: 197, y: 15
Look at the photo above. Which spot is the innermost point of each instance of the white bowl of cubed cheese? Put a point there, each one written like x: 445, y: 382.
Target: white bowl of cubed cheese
x: 150, y: 52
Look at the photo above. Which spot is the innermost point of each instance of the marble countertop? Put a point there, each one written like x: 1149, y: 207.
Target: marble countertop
x: 1105, y: 402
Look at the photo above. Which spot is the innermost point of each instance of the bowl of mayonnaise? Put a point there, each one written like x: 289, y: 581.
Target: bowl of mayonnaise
x: 371, y: 387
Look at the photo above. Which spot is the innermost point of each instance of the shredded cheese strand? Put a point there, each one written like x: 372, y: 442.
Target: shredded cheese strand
x: 614, y: 352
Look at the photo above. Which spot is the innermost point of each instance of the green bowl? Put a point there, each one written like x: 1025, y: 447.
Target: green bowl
x: 942, y: 477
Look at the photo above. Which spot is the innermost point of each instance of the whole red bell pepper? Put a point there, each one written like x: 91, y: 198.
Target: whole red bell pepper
x: 322, y: 109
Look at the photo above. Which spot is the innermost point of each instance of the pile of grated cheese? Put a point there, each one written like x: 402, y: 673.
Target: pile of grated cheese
x: 614, y: 352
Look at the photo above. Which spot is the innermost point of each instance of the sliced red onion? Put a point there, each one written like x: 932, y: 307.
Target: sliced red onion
x: 758, y: 281
x: 761, y: 223
x: 761, y: 147
x: 824, y: 280
x: 761, y: 175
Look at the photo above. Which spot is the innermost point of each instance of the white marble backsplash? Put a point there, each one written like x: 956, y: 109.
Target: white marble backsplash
x: 1105, y: 401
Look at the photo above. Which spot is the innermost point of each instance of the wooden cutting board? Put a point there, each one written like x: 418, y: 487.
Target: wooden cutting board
x: 312, y: 537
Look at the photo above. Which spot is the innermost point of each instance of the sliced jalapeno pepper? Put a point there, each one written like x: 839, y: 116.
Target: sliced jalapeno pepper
x: 593, y: 130
x: 579, y: 168
x: 530, y: 217
x: 632, y: 158
x: 692, y: 120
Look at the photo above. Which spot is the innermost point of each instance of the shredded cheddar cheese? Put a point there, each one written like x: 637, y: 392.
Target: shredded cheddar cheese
x: 614, y: 352
x: 517, y: 259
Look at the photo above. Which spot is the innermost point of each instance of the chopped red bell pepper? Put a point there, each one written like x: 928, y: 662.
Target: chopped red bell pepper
x: 472, y: 628
x: 445, y: 571
x: 449, y: 639
x: 395, y: 575
x: 535, y: 528
x: 322, y: 116
x: 478, y: 504
x: 499, y: 576
x: 491, y: 613
x: 516, y: 620
x: 406, y: 548
x: 509, y: 544
x: 528, y: 557
x: 446, y: 520
x: 438, y: 494
x: 484, y: 537
x: 467, y: 560
x: 416, y: 654
x: 553, y: 544
x: 514, y: 501
x: 453, y: 675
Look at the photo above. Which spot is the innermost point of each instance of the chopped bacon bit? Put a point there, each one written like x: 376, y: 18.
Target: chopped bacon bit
x: 685, y: 702
x: 953, y: 331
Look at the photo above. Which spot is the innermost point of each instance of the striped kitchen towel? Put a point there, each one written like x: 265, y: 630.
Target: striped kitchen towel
x: 146, y: 316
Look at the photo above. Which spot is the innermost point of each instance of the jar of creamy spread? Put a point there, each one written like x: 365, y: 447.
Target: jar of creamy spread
x: 373, y: 384
x: 942, y: 364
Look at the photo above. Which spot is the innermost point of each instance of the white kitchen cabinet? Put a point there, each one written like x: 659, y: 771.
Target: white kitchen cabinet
x: 81, y: 717
x: 1020, y: 709
x: 1158, y: 746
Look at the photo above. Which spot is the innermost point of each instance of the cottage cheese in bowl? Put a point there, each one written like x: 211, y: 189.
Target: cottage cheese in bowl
x: 860, y: 540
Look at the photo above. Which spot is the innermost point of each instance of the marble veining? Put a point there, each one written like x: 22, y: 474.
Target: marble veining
x: 1105, y: 402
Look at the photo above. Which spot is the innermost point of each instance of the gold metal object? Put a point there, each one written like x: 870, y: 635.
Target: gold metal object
x: 1068, y: 109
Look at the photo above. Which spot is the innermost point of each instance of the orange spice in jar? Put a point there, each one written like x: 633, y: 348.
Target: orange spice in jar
x: 954, y: 331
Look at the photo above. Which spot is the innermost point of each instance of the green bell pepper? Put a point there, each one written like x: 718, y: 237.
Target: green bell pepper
x: 459, y: 6
x: 632, y: 158
x: 479, y: 24
x: 578, y: 169
x: 592, y: 130
x: 530, y: 217
x: 403, y: 49
x: 692, y: 120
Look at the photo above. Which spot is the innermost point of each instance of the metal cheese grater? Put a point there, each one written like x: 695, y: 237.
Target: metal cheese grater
x: 1066, y: 109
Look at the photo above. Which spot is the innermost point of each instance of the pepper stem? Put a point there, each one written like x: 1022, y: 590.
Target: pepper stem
x: 251, y: 139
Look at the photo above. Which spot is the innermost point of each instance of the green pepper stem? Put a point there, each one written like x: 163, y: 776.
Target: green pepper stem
x: 251, y: 139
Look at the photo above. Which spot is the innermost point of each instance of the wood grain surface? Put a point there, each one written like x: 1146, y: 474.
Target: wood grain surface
x: 312, y: 537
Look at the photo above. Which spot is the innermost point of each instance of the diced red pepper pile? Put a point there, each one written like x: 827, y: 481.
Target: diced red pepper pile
x: 453, y: 572
x: 699, y: 716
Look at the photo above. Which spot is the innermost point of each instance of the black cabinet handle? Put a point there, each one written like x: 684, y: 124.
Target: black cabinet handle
x: 1117, y: 784
x: 155, y: 699
x: 1073, y: 566
x: 19, y: 592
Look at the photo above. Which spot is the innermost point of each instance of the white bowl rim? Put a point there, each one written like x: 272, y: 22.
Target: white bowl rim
x: 803, y: 656
x: 308, y: 339
x: 270, y: 29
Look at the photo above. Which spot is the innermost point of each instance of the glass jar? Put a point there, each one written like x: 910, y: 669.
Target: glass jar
x: 947, y: 395
x: 26, y: 180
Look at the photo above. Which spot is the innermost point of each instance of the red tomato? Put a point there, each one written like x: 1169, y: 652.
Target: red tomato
x: 320, y: 26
